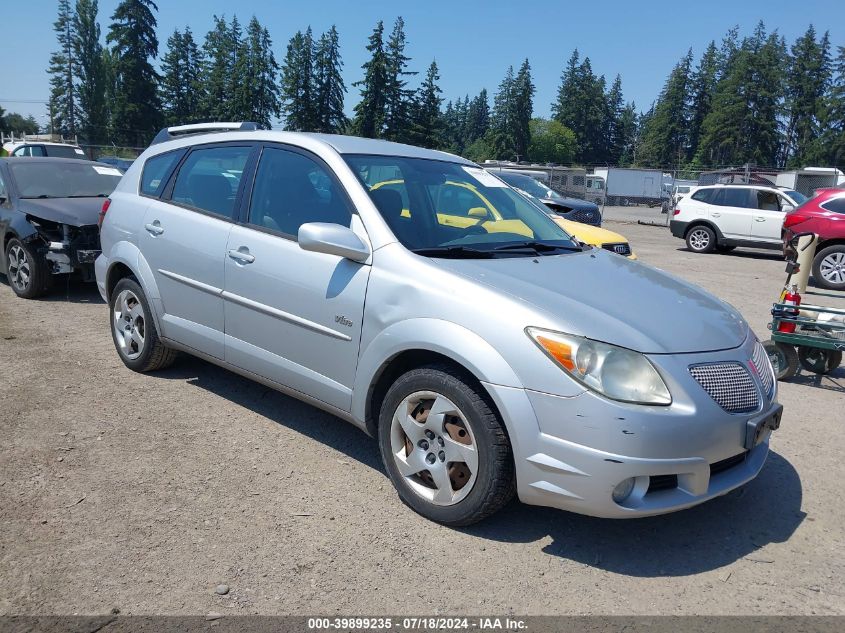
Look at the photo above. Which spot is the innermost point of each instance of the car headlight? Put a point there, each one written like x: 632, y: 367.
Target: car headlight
x: 615, y: 372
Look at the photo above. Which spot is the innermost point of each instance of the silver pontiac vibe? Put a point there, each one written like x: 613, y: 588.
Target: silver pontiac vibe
x: 422, y: 299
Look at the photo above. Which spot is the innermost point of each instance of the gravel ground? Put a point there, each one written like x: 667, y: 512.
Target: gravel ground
x: 147, y: 492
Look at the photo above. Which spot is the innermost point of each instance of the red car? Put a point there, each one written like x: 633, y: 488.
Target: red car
x: 823, y: 214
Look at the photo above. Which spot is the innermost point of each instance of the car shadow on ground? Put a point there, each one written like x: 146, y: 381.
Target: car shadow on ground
x: 744, y: 254
x: 707, y: 537
x: 834, y: 381
x: 67, y: 289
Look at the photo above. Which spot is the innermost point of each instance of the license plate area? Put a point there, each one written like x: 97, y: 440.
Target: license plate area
x: 755, y: 430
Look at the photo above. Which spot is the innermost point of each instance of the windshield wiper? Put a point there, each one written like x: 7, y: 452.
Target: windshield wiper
x: 538, y: 247
x: 43, y: 196
x: 453, y: 252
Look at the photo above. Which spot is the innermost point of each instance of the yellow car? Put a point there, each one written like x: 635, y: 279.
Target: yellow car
x: 455, y: 199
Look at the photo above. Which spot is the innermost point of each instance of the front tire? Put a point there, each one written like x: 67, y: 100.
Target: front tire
x: 133, y: 329
x: 701, y: 239
x: 444, y: 448
x: 829, y: 267
x: 26, y: 272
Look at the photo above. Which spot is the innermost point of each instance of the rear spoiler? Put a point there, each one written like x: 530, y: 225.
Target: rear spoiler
x: 170, y: 133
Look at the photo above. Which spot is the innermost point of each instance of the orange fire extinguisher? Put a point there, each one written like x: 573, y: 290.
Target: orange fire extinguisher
x: 792, y: 299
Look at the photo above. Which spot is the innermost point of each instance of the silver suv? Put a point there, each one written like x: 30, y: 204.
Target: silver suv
x: 488, y: 352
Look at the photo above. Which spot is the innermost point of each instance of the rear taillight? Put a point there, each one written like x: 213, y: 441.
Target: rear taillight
x: 792, y: 219
x: 102, y: 215
x: 676, y: 212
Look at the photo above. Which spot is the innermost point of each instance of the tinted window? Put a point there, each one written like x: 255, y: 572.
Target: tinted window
x: 732, y: 197
x: 837, y: 205
x: 65, y: 151
x: 291, y: 190
x: 704, y: 195
x: 155, y: 170
x: 209, y: 179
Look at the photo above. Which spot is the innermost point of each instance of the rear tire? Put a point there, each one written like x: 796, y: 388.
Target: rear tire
x: 133, y: 329
x: 819, y: 361
x: 26, y: 272
x: 784, y: 359
x: 829, y: 267
x: 444, y: 448
x: 701, y: 239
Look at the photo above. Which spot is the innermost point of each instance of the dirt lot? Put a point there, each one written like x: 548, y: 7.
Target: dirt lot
x: 144, y: 492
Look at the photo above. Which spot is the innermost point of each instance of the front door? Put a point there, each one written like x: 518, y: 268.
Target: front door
x: 294, y: 316
x: 768, y: 216
x: 184, y: 243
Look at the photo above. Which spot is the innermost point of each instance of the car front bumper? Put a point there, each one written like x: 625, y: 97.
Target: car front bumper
x: 571, y: 453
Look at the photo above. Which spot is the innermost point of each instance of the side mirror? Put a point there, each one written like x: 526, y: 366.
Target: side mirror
x: 477, y: 212
x: 332, y: 239
x: 787, y: 208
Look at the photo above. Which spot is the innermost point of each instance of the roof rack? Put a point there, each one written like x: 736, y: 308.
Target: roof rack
x: 169, y: 133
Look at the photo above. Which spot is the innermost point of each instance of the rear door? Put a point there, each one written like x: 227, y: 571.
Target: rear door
x: 732, y: 213
x: 294, y: 316
x: 184, y: 243
x: 768, y: 216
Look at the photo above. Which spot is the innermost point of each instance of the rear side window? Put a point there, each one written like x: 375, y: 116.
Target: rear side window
x: 703, y: 195
x: 837, y: 205
x: 155, y: 171
x: 731, y: 197
x: 209, y: 179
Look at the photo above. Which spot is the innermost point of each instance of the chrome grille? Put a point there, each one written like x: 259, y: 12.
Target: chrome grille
x: 764, y: 368
x: 729, y: 384
x: 618, y: 248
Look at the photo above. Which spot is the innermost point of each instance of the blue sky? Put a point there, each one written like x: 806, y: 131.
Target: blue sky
x: 473, y: 42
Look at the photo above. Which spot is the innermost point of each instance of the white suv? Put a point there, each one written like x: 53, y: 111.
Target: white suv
x: 722, y: 217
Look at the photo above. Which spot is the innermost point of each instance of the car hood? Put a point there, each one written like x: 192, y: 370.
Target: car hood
x: 576, y: 204
x: 593, y: 235
x: 608, y: 298
x: 72, y: 211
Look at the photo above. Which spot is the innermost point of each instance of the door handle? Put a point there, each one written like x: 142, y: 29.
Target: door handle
x: 716, y: 215
x: 759, y: 219
x: 242, y: 256
x: 154, y: 228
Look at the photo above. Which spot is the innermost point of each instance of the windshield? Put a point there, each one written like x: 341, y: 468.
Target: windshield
x: 527, y: 184
x: 36, y: 179
x: 447, y: 209
x: 799, y: 197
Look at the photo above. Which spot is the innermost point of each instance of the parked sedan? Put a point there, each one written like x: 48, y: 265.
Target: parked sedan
x: 569, y: 208
x: 824, y: 215
x: 48, y: 219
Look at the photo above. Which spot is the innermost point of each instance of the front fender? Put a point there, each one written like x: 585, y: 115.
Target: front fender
x: 434, y: 335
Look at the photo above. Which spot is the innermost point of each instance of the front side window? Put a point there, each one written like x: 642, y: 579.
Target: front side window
x: 767, y: 201
x: 442, y: 208
x: 209, y: 179
x: 292, y: 189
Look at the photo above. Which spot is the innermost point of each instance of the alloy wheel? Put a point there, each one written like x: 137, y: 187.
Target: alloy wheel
x: 699, y: 239
x: 832, y: 268
x: 19, y: 268
x: 129, y: 324
x: 433, y: 447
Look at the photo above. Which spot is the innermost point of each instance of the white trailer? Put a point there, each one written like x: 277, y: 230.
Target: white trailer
x: 632, y: 186
x: 808, y: 179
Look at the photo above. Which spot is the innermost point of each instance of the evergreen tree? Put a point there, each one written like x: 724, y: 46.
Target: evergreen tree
x: 523, y: 109
x: 370, y: 111
x: 703, y: 85
x: 565, y: 107
x: 428, y: 124
x: 298, y: 90
x: 329, y: 88
x: 500, y: 137
x: 256, y: 95
x: 613, y: 122
x: 808, y: 79
x: 63, y: 73
x: 582, y: 106
x: 134, y: 44
x: 217, y: 71
x: 478, y: 118
x: 93, y: 113
x: 664, y: 137
x: 181, y: 87
x: 628, y: 127
x: 399, y: 100
x: 829, y: 148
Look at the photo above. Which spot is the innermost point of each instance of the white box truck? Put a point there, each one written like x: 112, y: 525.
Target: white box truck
x: 632, y: 186
x: 808, y: 179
